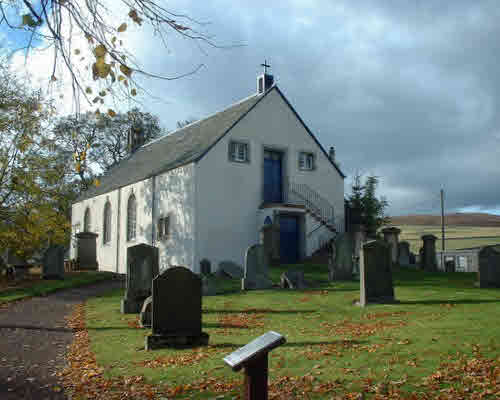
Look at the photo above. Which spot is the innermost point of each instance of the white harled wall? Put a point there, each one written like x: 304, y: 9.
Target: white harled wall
x: 229, y: 194
x: 174, y: 196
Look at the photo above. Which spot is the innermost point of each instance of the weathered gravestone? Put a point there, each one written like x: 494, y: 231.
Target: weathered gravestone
x: 376, y: 273
x: 404, y: 253
x: 256, y: 269
x: 270, y: 238
x: 293, y: 279
x: 391, y: 236
x: 230, y: 269
x: 428, y: 258
x: 205, y: 267
x: 176, y: 310
x: 332, y: 259
x: 344, y: 250
x: 86, y: 252
x: 145, y: 315
x: 489, y: 267
x: 208, y: 286
x: 413, y: 259
x: 142, y: 267
x: 449, y: 265
x: 53, y: 263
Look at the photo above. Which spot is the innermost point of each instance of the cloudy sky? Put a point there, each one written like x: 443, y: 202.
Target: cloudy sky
x: 406, y: 90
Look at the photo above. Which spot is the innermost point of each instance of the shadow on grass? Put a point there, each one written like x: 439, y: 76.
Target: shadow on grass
x: 257, y: 311
x: 461, y: 301
x: 298, y: 344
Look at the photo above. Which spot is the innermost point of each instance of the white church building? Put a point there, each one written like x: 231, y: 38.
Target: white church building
x: 205, y: 190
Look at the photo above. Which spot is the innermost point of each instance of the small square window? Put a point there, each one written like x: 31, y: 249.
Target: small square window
x: 306, y: 161
x: 164, y: 227
x: 238, y: 152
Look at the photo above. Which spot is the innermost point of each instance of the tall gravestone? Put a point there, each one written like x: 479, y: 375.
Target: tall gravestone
x: 391, y: 236
x: 344, y: 250
x: 142, y: 267
x: 256, y: 269
x: 53, y: 263
x: 376, y: 284
x: 489, y: 267
x: 176, y: 310
x: 332, y: 260
x: 86, y: 250
x: 359, y: 236
x: 404, y: 253
x: 428, y: 258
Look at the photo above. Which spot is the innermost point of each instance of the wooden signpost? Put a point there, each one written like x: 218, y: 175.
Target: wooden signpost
x: 253, y: 357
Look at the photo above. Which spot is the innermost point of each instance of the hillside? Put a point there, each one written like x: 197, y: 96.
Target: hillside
x: 456, y: 219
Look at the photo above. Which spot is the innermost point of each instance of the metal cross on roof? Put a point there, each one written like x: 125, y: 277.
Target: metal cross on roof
x: 266, y: 66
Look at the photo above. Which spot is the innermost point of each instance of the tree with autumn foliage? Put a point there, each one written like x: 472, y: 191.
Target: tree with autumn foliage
x: 34, y: 199
x: 106, y: 60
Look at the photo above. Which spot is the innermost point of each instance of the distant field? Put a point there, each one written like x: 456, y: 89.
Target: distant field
x: 456, y: 237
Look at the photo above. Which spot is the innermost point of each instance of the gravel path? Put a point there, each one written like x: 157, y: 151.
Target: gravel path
x: 33, y: 341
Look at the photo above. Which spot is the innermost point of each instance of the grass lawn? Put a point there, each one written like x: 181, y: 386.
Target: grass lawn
x: 333, y: 347
x: 33, y: 285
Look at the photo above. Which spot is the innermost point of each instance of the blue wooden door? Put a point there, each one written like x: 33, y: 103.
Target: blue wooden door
x: 289, y: 239
x: 272, y: 177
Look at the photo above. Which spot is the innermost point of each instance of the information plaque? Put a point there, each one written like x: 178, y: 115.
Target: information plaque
x: 257, y: 347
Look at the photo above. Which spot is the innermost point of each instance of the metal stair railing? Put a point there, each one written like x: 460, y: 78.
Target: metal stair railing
x: 302, y: 194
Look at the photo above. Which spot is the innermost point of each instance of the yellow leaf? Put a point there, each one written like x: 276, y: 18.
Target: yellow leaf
x: 125, y: 82
x: 121, y: 78
x: 133, y: 92
x: 97, y: 182
x: 96, y: 99
x: 113, y: 39
x: 100, y: 51
x: 88, y: 90
x: 133, y: 14
x: 102, y: 93
x: 53, y: 78
x: 111, y: 113
x: 97, y: 112
x: 77, y: 51
x: 125, y: 70
x: 122, y: 27
x: 89, y: 38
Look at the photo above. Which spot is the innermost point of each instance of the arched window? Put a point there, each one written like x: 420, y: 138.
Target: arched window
x: 106, y: 229
x: 86, y: 220
x: 131, y: 217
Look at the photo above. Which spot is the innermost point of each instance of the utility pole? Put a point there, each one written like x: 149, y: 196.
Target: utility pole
x: 442, y: 230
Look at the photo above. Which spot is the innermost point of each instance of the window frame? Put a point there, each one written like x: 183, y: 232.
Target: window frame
x: 308, y: 155
x: 163, y: 227
x: 233, y: 156
x: 131, y: 218
x: 87, y: 220
x: 106, y: 225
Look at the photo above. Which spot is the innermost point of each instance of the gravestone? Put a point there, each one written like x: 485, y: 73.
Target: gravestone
x: 332, y: 260
x: 53, y: 263
x: 449, y: 266
x: 404, y: 253
x: 376, y: 273
x: 413, y: 259
x: 344, y: 250
x: 489, y: 267
x: 86, y: 252
x: 230, y: 269
x: 176, y: 310
x: 428, y: 260
x: 208, y: 286
x: 142, y: 267
x: 391, y: 236
x: 270, y: 238
x: 145, y: 315
x: 256, y: 269
x: 205, y: 267
x: 293, y: 279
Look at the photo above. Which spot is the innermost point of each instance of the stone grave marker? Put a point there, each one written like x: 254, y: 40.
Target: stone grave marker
x: 53, y: 263
x: 205, y: 267
x: 208, y: 286
x: 375, y: 273
x: 293, y: 279
x: 404, y: 253
x: 86, y: 250
x: 391, y: 236
x: 413, y: 259
x: 142, y: 267
x: 344, y: 250
x: 489, y: 267
x: 332, y: 259
x: 256, y: 269
x: 176, y: 310
x: 428, y: 258
x: 231, y: 269
x: 145, y: 315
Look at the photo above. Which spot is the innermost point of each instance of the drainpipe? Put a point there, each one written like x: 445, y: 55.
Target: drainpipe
x: 118, y: 230
x: 153, y: 209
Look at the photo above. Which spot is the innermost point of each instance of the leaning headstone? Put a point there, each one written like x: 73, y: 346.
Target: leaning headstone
x: 86, y: 250
x: 489, y: 267
x: 293, y: 279
x: 230, y: 269
x: 145, y: 315
x: 176, y: 311
x: 142, y: 267
x: 404, y: 253
x: 391, y: 236
x: 53, y: 263
x: 376, y: 273
x: 344, y: 250
x: 256, y: 269
x: 205, y: 267
x: 428, y: 260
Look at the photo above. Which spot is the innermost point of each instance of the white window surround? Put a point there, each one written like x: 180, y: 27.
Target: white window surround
x: 131, y: 218
x: 106, y: 228
x: 239, y: 152
x: 307, y: 161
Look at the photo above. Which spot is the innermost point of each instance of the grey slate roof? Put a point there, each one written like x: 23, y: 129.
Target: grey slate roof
x: 171, y: 151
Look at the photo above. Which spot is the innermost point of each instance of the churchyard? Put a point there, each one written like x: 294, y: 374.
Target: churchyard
x: 440, y: 339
